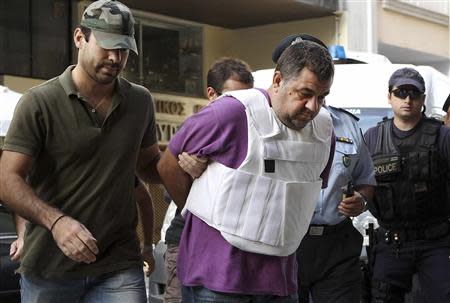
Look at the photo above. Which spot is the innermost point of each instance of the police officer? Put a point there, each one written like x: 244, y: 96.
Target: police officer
x: 411, y: 155
x: 328, y: 256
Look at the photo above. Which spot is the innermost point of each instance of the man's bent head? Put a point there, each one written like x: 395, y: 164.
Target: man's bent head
x: 227, y: 74
x: 302, y: 79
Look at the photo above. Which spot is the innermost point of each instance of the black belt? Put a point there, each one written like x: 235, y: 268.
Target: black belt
x: 321, y: 230
x: 431, y: 232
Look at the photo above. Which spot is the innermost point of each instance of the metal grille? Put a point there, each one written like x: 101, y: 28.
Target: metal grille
x: 160, y: 208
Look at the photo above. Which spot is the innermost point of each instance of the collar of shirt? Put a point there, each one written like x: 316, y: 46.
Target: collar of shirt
x: 68, y: 85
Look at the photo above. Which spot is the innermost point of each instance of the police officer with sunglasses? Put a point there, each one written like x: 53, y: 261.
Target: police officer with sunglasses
x: 411, y: 155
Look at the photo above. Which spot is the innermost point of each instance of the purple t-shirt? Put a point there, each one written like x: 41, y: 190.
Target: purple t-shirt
x: 205, y: 258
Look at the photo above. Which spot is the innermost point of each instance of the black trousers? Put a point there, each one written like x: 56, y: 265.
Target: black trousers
x: 329, y: 268
x: 395, y: 267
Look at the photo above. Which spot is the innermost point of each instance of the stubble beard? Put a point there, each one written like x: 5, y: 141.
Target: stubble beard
x: 105, y: 78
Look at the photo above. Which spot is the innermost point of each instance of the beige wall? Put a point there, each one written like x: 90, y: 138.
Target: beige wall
x: 437, y: 6
x: 255, y: 44
x: 216, y: 43
x: 406, y: 31
x: 20, y: 84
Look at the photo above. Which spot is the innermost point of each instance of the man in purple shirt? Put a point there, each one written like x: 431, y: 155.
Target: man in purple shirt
x: 226, y: 74
x: 209, y: 267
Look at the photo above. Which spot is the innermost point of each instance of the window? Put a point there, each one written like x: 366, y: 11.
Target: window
x: 15, y: 38
x: 170, y: 57
x: 35, y: 40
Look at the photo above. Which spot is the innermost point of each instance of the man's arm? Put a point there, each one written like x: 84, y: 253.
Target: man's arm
x: 18, y: 195
x: 177, y: 182
x: 363, y: 176
x: 145, y: 204
x: 75, y: 241
x: 146, y: 164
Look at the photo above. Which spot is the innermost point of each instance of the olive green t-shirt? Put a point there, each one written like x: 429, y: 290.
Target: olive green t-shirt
x: 85, y: 167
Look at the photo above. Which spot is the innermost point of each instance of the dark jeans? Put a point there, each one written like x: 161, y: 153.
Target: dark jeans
x: 329, y: 268
x: 122, y: 286
x: 393, y: 270
x: 199, y: 294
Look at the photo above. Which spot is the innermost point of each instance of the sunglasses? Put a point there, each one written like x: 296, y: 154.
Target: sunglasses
x: 402, y: 93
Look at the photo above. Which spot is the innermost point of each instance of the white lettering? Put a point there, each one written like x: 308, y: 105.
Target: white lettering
x: 385, y: 168
x: 165, y: 131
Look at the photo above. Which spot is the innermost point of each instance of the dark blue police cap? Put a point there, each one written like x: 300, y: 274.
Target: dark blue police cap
x: 292, y: 39
x: 407, y: 76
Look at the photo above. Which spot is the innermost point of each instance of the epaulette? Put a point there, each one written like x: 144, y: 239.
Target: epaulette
x: 346, y: 112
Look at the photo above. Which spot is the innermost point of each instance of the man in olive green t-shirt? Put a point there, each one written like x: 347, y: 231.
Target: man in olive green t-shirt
x: 68, y: 166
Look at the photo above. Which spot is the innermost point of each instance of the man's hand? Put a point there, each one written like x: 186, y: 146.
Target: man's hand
x: 75, y: 241
x: 149, y: 261
x: 352, y: 206
x: 192, y: 165
x: 15, y: 251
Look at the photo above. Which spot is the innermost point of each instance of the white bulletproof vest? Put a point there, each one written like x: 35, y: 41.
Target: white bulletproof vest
x: 257, y: 210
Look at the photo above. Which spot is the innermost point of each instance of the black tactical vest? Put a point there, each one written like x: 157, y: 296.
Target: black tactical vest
x: 413, y: 180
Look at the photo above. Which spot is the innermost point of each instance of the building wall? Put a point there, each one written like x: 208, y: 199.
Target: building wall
x: 216, y: 43
x: 358, y: 26
x: 405, y: 31
x: 434, y: 6
x: 255, y: 44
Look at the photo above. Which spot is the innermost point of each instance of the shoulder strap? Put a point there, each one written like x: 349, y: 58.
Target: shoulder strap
x: 385, y: 144
x: 258, y: 110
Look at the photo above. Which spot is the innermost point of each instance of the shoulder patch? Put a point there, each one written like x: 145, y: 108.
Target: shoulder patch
x: 344, y: 140
x: 345, y: 111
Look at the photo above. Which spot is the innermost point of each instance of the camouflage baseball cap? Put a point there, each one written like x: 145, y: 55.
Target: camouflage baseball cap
x: 111, y: 23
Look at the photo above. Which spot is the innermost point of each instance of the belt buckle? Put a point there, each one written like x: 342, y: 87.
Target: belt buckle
x: 316, y: 230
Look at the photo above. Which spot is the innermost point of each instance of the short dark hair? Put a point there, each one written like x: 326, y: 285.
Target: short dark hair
x: 305, y: 54
x: 226, y: 68
x: 86, y: 32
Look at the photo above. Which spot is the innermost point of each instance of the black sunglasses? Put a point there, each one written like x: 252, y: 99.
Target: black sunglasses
x: 402, y: 93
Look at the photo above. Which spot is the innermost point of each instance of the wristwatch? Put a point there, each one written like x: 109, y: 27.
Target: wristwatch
x: 366, y: 203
